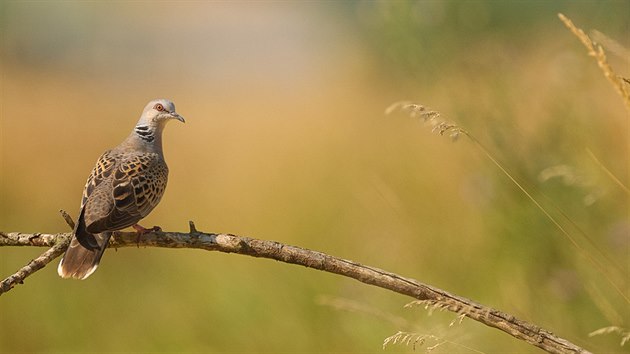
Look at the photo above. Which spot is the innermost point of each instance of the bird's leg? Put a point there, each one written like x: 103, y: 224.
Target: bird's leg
x: 142, y: 230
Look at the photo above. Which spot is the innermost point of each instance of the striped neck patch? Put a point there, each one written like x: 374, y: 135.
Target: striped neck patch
x: 145, y: 133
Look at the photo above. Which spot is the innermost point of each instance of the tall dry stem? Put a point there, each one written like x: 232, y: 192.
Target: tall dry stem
x: 597, y: 51
x: 442, y: 127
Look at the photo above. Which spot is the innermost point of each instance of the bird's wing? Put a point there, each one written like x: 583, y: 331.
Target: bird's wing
x: 132, y: 190
x: 102, y: 170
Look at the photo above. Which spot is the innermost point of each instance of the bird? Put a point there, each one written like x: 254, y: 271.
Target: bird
x: 127, y: 182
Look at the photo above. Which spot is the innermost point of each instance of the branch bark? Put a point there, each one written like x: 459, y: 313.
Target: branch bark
x: 227, y: 243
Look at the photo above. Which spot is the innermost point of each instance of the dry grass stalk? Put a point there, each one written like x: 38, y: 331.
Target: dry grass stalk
x: 342, y: 304
x: 595, y: 50
x: 570, y: 177
x: 624, y: 333
x: 608, y: 172
x: 429, y: 117
x: 401, y: 337
x: 612, y: 45
x: 411, y: 338
x: 435, y: 119
x: 418, y: 339
x: 432, y: 305
x: 607, y: 309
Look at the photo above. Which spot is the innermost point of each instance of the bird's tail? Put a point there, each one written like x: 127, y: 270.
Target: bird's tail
x: 84, y: 253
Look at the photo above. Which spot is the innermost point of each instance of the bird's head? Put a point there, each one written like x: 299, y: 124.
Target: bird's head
x: 158, y: 112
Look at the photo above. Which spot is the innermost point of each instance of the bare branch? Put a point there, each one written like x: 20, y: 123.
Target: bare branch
x: 36, y: 264
x: 227, y: 243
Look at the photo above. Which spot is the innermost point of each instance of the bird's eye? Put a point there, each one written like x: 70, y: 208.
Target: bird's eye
x: 158, y: 107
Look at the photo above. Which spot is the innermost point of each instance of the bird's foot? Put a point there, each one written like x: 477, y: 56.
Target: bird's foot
x: 142, y: 230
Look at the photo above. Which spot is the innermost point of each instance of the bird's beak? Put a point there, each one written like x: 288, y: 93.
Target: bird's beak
x: 174, y: 115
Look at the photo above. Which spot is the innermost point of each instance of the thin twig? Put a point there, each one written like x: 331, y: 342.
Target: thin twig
x: 58, y: 244
x: 37, y: 263
x: 227, y: 243
x: 67, y: 218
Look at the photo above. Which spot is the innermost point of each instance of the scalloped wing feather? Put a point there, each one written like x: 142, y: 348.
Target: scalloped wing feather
x: 101, y: 171
x: 134, y: 187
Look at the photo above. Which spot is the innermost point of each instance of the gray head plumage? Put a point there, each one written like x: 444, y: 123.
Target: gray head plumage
x: 148, y: 130
x: 158, y: 112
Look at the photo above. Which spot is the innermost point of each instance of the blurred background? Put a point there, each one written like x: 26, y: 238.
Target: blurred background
x: 286, y: 139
